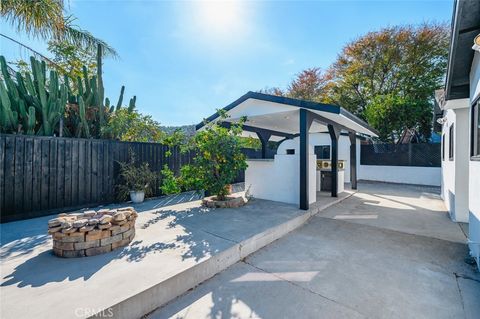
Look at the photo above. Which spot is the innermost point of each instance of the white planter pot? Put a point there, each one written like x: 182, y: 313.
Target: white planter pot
x: 137, y: 196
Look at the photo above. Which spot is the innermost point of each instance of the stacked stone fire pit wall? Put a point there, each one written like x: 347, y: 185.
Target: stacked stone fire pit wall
x: 92, y: 232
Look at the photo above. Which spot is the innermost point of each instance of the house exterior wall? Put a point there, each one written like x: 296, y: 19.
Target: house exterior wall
x: 455, y: 172
x: 474, y: 171
x: 448, y: 167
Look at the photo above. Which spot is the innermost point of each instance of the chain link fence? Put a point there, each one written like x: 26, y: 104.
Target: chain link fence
x: 422, y: 154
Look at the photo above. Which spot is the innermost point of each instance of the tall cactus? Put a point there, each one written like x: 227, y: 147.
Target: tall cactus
x: 131, y: 104
x: 24, y: 98
x: 35, y: 102
x: 8, y: 118
x: 52, y: 102
x: 83, y: 126
x: 120, y: 98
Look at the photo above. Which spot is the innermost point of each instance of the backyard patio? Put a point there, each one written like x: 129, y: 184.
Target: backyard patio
x: 178, y: 244
x: 388, y: 251
x: 361, y: 253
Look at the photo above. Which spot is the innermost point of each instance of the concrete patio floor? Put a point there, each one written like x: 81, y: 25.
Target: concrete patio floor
x: 388, y: 251
x: 175, y: 248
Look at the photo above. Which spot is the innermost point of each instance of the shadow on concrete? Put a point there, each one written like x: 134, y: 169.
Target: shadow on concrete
x: 329, y: 266
x: 33, y: 230
x: 23, y: 246
x: 54, y: 269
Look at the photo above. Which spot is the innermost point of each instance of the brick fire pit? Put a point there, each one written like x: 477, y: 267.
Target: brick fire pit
x: 92, y: 232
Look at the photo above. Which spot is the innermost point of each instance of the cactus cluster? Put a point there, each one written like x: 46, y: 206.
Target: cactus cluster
x: 37, y: 104
x: 30, y: 96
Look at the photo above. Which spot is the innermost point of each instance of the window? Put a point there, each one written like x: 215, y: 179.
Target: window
x: 290, y: 151
x: 450, y: 142
x: 443, y: 146
x: 475, y: 131
x: 322, y: 151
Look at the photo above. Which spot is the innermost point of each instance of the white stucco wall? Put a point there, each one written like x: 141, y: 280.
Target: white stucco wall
x: 474, y: 171
x: 455, y: 172
x: 343, y: 149
x: 401, y: 174
x: 448, y: 167
x: 279, y: 179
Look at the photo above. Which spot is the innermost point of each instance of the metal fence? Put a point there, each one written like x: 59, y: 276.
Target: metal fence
x: 39, y: 175
x: 423, y: 154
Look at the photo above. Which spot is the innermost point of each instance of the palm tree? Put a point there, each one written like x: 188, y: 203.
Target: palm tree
x: 45, y: 19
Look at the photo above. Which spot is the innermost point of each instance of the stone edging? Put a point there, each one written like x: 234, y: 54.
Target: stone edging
x: 231, y: 202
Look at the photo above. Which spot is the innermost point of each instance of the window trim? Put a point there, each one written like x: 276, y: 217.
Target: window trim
x: 324, y: 146
x: 443, y: 147
x: 474, y: 135
x: 451, y: 144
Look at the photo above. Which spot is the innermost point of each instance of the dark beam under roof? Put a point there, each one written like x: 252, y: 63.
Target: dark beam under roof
x: 310, y: 105
x: 465, y: 26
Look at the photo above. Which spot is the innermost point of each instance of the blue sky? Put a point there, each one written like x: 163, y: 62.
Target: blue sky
x: 183, y: 60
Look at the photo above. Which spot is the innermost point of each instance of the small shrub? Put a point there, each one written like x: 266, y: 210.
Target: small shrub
x: 218, y: 160
x: 170, y: 183
x: 135, y: 177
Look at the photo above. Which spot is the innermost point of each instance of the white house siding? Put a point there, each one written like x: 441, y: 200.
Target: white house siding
x: 448, y: 167
x: 455, y: 172
x: 474, y: 171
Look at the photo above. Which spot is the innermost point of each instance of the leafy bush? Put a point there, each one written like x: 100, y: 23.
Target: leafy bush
x: 135, y: 177
x: 132, y: 126
x: 218, y: 160
x: 170, y: 183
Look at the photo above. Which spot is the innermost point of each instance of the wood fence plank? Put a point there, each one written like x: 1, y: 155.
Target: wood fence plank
x: 9, y: 175
x: 68, y: 173
x: 28, y: 175
x: 18, y: 192
x: 75, y: 175
x: 109, y: 163
x: 45, y: 175
x: 88, y: 171
x: 101, y: 171
x: 37, y: 174
x: 60, y: 173
x: 94, y: 174
x: 82, y: 198
x: 52, y: 188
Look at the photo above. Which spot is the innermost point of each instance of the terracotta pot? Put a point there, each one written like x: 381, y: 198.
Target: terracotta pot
x: 229, y: 188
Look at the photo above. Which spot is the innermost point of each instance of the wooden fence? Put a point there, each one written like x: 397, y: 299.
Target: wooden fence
x: 41, y: 174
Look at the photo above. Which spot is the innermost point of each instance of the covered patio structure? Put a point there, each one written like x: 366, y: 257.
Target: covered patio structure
x: 278, y: 118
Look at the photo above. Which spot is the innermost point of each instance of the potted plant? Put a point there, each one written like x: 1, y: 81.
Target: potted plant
x: 136, y: 180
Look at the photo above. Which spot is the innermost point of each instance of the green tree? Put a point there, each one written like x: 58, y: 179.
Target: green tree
x: 407, y: 61
x: 218, y: 160
x: 69, y: 59
x: 132, y: 126
x: 47, y: 20
x: 401, y: 65
x: 311, y: 85
x: 392, y: 114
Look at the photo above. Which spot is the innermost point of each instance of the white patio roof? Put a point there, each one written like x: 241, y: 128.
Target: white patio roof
x: 281, y: 114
